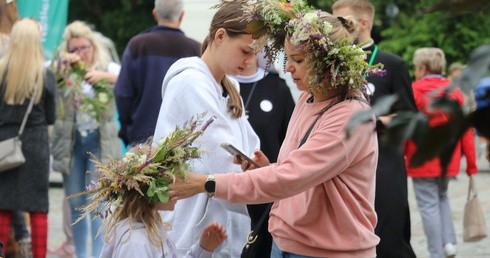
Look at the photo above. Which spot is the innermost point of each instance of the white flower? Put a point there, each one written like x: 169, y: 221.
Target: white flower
x: 142, y: 159
x: 327, y: 27
x: 310, y: 17
x: 103, y: 98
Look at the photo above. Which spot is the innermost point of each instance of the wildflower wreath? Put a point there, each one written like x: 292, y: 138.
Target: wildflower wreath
x: 70, y: 81
x: 340, y: 63
x: 146, y: 168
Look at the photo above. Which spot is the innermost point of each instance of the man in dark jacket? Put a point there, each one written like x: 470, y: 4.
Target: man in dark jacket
x: 145, y: 62
x: 391, y: 202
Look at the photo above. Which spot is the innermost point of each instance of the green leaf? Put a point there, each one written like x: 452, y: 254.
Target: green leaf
x: 382, y: 107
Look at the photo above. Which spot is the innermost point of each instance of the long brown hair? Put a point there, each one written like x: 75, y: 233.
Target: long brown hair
x: 22, y: 64
x: 229, y: 18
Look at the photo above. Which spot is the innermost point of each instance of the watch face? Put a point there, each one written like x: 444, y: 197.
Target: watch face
x: 210, y: 186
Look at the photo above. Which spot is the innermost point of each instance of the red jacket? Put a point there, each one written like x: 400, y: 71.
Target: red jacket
x: 423, y: 92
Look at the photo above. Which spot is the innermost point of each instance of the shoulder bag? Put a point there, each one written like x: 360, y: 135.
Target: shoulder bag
x: 474, y: 224
x: 11, y: 155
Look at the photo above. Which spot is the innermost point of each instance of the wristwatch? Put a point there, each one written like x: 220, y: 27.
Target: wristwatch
x: 210, y: 185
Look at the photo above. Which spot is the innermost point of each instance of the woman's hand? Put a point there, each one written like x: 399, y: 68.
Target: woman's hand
x: 259, y: 158
x: 94, y: 76
x: 69, y: 58
x: 66, y: 61
x: 185, y: 188
x: 212, y: 236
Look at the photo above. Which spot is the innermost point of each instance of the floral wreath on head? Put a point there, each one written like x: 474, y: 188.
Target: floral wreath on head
x: 146, y: 168
x: 341, y: 63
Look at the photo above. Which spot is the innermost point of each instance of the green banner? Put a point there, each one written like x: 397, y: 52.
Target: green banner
x: 52, y: 14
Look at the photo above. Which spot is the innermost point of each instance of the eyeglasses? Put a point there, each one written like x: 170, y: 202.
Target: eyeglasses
x: 80, y: 49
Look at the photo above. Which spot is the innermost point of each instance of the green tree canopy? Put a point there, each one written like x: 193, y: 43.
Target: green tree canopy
x: 455, y: 26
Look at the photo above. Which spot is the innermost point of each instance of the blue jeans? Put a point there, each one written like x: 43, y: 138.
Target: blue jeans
x: 19, y: 225
x: 83, y: 149
x: 277, y: 253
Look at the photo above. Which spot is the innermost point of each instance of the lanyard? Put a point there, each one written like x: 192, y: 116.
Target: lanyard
x: 371, y: 60
x: 250, y: 95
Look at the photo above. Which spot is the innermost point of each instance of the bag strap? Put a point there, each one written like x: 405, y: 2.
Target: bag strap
x: 28, y: 111
x: 255, y: 231
x: 471, y: 188
x: 267, y: 210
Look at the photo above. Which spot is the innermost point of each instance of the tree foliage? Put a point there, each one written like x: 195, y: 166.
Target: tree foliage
x: 118, y: 20
x: 456, y: 26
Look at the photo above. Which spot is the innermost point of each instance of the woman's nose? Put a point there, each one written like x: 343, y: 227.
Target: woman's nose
x: 289, y: 68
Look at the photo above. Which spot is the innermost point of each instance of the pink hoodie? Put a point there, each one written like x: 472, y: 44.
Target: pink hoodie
x: 323, y: 191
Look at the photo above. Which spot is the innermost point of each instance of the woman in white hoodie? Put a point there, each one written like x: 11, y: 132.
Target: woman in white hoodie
x: 195, y: 85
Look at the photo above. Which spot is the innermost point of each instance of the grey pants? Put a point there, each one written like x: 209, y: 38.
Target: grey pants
x: 433, y: 203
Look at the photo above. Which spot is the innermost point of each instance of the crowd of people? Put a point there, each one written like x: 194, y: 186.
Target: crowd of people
x: 324, y: 193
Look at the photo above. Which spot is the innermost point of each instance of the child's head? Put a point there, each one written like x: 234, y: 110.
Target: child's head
x: 137, y: 208
x: 228, y: 48
x: 135, y: 187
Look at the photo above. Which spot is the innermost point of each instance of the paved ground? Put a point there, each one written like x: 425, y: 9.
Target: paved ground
x: 457, y: 191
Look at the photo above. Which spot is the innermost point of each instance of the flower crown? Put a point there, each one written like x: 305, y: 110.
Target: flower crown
x: 340, y: 62
x: 146, y: 168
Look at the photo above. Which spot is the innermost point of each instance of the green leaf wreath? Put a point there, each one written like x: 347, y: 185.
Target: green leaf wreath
x: 148, y: 168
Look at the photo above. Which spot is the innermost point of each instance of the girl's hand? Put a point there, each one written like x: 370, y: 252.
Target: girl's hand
x: 212, y: 236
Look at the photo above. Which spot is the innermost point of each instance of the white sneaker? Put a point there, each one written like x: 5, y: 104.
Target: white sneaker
x: 450, y: 250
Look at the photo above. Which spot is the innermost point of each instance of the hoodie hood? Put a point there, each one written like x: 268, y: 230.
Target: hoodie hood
x: 196, y: 64
x: 183, y: 64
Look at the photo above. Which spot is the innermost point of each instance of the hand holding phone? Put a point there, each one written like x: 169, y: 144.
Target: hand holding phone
x: 235, y: 152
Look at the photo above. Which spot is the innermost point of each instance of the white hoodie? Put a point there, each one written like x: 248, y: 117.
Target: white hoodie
x: 190, y: 89
x: 131, y: 240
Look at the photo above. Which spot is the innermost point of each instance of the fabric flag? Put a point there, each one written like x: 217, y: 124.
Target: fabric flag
x: 52, y: 14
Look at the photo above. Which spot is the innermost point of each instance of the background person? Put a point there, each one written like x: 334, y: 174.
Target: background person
x: 146, y: 60
x: 195, y: 85
x: 429, y: 186
x: 391, y: 201
x: 23, y: 78
x: 78, y: 133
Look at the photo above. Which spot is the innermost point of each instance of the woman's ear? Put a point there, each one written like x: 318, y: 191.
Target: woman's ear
x: 220, y: 35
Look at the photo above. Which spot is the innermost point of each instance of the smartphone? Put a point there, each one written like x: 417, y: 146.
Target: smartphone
x: 235, y: 152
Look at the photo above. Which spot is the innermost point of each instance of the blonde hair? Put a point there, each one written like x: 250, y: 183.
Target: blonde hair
x: 456, y: 66
x: 228, y: 18
x: 342, y: 27
x: 79, y: 29
x: 137, y: 208
x: 431, y: 58
x: 22, y: 67
x: 359, y: 7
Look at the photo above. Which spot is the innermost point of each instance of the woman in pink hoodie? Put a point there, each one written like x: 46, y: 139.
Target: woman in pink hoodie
x: 323, y: 182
